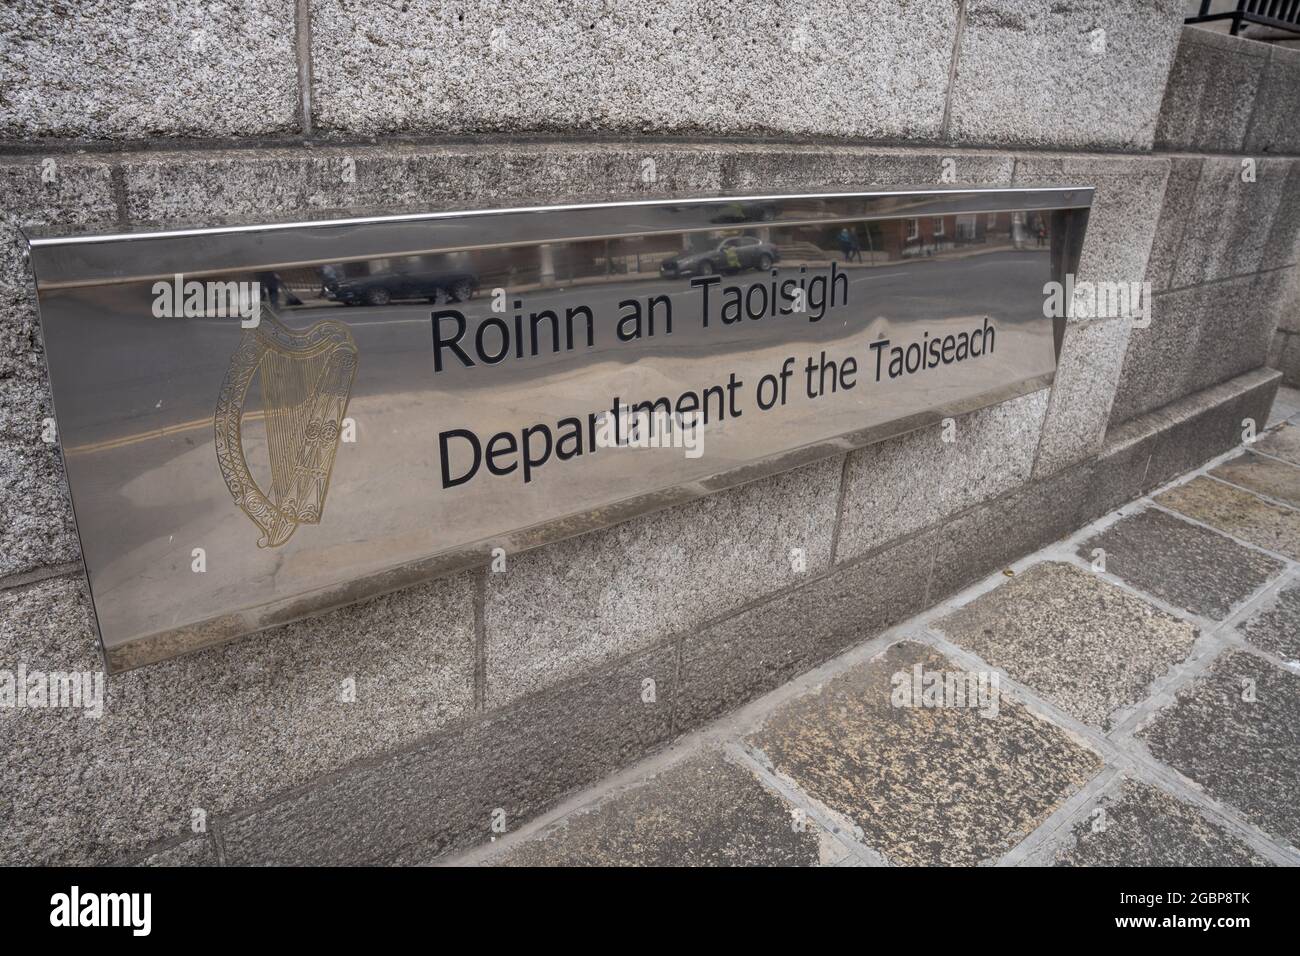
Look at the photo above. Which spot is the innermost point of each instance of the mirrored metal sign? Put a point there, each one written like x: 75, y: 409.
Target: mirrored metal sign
x: 262, y: 422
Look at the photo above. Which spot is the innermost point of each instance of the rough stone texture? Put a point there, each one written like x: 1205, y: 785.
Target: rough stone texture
x: 1198, y: 337
x: 747, y: 655
x: 1142, y: 826
x: 177, y: 186
x: 1078, y: 413
x: 1184, y: 564
x: 1286, y: 408
x: 1276, y: 627
x: 1288, y: 306
x: 703, y: 811
x: 1241, y: 751
x: 1235, y: 227
x: 1085, y: 645
x: 583, y: 602
x: 1126, y: 205
x: 996, y: 534
x: 1283, y: 244
x: 1180, y: 191
x: 1211, y: 91
x: 38, y: 528
x: 1282, y: 442
x: 134, y: 69
x: 1147, y: 451
x: 927, y: 786
x: 220, y: 729
x: 899, y: 486
x: 1273, y: 127
x: 196, y: 852
x: 1239, y: 340
x: 762, y: 168
x: 1237, y: 513
x: 1285, y: 356
x: 442, y: 795
x: 1277, y: 479
x: 670, y: 67
x: 1036, y: 72
x: 1207, y: 423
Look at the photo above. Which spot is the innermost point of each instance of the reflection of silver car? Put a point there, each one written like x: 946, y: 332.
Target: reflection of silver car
x: 731, y: 255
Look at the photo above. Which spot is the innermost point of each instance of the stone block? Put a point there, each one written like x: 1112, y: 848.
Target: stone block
x: 907, y: 483
x: 584, y: 602
x: 137, y: 69
x: 1088, y: 74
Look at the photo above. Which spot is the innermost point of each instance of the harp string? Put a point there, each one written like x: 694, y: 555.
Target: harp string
x: 288, y: 390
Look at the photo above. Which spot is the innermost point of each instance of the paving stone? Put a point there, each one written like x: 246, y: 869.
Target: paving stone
x: 1275, y: 627
x: 1184, y: 564
x: 926, y: 785
x: 1238, y: 513
x: 704, y: 811
x: 1084, y: 644
x: 1283, y: 442
x: 1242, y: 751
x: 1143, y: 826
x: 1276, y: 479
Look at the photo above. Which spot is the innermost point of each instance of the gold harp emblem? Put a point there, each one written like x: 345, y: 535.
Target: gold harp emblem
x: 305, y: 379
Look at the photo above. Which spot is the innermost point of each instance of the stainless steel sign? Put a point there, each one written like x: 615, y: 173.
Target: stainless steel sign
x: 261, y: 422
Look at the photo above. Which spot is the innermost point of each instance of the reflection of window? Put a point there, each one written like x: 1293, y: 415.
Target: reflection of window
x: 913, y: 229
x: 966, y: 226
x: 938, y: 225
x: 993, y: 221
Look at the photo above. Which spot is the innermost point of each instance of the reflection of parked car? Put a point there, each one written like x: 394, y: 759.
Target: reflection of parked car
x: 730, y: 255
x: 383, y: 287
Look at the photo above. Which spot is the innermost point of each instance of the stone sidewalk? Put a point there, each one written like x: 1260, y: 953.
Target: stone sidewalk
x: 1133, y: 698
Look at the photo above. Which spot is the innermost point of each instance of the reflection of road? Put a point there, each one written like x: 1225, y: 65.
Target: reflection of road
x: 152, y: 382
x: 143, y: 379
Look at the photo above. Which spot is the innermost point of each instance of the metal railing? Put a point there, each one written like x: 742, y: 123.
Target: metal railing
x: 1280, y: 14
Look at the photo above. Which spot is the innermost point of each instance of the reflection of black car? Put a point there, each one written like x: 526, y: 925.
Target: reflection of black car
x: 730, y: 255
x: 383, y: 287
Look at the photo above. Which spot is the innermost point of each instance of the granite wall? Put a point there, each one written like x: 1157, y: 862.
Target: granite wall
x: 504, y: 691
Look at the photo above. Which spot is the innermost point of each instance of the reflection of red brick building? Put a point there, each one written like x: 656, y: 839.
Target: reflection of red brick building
x: 925, y: 235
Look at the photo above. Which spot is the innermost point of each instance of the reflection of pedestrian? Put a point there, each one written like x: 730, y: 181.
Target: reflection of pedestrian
x: 849, y: 245
x: 732, y: 257
x: 1042, y: 234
